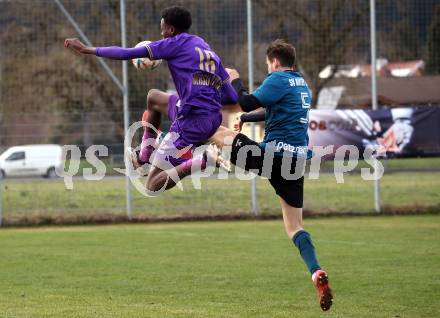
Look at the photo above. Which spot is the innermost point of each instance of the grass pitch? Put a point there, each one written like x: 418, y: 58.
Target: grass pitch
x: 379, y: 267
x: 413, y: 190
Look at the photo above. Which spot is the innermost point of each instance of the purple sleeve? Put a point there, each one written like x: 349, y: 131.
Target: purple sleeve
x: 163, y: 49
x: 228, y: 94
x: 224, y: 76
x: 120, y: 53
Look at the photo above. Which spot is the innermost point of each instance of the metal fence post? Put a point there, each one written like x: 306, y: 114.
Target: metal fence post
x: 87, y: 41
x: 122, y: 86
x: 126, y: 111
x: 377, y: 203
x: 251, y: 88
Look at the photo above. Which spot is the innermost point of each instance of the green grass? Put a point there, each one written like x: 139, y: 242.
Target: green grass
x: 415, y: 189
x: 397, y: 164
x: 379, y: 267
x: 412, y: 164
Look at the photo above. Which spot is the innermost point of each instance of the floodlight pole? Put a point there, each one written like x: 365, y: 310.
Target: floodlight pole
x: 251, y: 88
x: 377, y: 199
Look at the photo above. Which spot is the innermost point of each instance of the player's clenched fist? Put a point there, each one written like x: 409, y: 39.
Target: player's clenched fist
x: 233, y: 73
x: 77, y: 46
x: 239, y: 124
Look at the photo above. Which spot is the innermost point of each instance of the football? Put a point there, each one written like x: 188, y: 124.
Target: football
x: 143, y: 63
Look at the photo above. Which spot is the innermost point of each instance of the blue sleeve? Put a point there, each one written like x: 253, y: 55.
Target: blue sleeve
x: 163, y: 49
x: 270, y: 91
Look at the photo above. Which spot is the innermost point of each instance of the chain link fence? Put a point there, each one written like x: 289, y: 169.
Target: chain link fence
x: 49, y: 95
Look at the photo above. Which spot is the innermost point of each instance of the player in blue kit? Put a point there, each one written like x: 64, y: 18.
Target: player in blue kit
x: 286, y: 98
x: 202, y: 85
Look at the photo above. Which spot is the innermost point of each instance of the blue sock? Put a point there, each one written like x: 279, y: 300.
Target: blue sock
x: 303, y: 242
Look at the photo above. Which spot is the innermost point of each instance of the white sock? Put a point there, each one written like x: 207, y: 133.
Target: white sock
x: 314, y: 275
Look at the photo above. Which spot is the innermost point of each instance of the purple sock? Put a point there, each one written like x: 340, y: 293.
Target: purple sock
x: 147, y: 148
x: 199, y: 161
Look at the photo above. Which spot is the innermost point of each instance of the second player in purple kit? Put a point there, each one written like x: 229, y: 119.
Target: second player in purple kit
x: 202, y: 85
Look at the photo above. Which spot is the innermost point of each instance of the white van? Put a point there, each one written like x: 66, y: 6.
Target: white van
x: 31, y: 160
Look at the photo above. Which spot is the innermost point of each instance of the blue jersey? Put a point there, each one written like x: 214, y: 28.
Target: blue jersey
x: 287, y: 100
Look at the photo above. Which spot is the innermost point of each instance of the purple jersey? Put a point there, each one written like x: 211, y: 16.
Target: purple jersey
x: 198, y: 74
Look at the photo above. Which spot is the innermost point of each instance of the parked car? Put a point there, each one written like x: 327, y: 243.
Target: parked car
x: 31, y: 160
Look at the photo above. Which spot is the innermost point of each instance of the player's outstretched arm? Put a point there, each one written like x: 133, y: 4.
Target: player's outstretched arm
x: 251, y: 117
x: 111, y: 52
x: 228, y: 94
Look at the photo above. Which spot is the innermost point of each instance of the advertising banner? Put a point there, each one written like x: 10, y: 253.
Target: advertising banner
x: 396, y: 132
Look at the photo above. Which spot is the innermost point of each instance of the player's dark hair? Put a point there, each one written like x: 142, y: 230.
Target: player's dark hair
x: 283, y: 51
x: 178, y: 17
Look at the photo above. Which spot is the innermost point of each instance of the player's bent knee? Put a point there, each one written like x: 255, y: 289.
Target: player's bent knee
x: 153, y: 97
x: 152, y: 187
x: 155, y: 182
x: 153, y: 93
x: 149, y: 183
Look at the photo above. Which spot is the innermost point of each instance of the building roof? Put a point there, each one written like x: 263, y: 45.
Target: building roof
x: 383, y: 67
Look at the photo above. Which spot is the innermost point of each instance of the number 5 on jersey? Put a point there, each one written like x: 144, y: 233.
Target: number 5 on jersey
x: 305, y: 101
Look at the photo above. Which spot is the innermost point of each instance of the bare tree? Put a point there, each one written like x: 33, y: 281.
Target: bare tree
x: 433, y: 44
x: 323, y: 32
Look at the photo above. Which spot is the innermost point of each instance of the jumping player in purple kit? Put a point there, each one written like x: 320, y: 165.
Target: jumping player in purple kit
x: 202, y: 85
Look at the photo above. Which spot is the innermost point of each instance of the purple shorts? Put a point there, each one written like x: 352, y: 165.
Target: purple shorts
x: 187, y: 131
